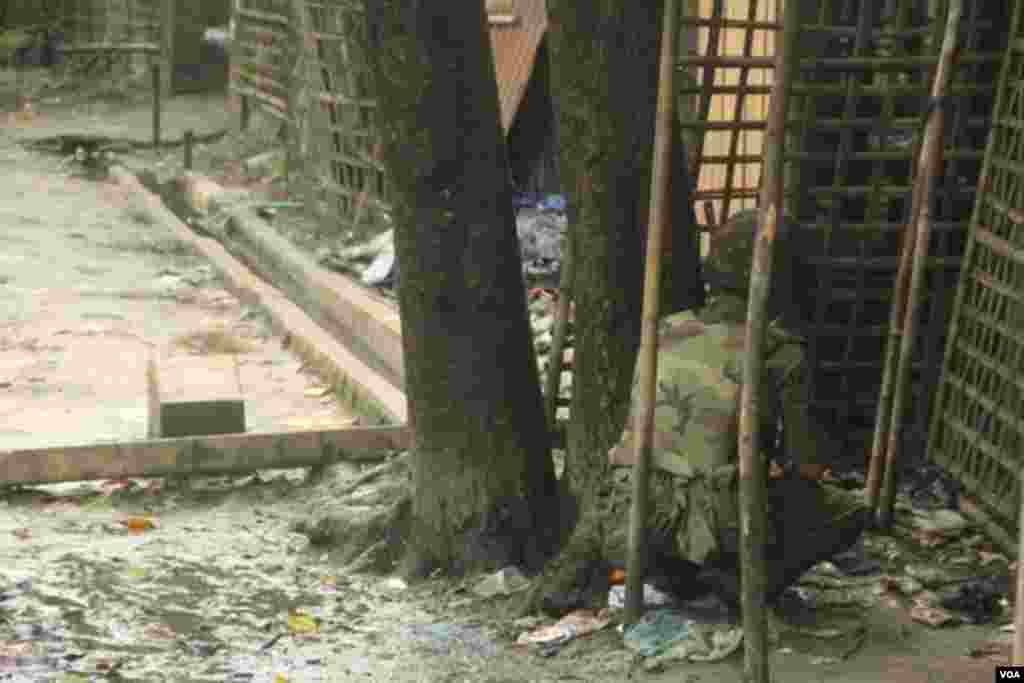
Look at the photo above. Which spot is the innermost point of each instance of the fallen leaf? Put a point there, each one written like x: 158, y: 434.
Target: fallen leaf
x: 300, y: 623
x: 932, y: 616
x: 992, y: 649
x: 159, y: 632
x: 989, y: 557
x: 138, y: 524
x: 22, y: 534
x: 316, y: 391
x: 15, y: 648
x: 929, y: 538
x: 280, y: 678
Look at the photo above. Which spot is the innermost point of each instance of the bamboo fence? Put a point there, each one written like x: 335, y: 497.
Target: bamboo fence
x: 859, y: 101
x: 977, y: 433
x: 726, y: 59
x: 111, y: 26
x: 348, y: 179
x: 263, y: 54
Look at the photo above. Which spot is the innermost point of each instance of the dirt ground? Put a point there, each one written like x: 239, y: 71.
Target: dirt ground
x: 209, y: 579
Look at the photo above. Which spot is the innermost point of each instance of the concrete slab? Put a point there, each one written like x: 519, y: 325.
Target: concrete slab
x: 194, y: 396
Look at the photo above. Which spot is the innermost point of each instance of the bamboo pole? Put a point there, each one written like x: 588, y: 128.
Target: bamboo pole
x: 930, y: 161
x: 648, y: 358
x: 752, y: 502
x: 157, y: 97
x: 1018, y: 608
x: 554, y: 376
x: 168, y: 24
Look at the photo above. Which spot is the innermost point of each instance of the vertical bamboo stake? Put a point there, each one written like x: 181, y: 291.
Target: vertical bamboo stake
x: 157, y: 96
x: 554, y: 377
x: 931, y: 159
x: 752, y: 502
x: 648, y: 358
x: 168, y: 22
x: 189, y: 141
x: 1018, y: 608
x: 883, y: 416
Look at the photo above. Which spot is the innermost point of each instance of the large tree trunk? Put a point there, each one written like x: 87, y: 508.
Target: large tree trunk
x: 604, y: 73
x: 484, y: 485
x: 604, y: 64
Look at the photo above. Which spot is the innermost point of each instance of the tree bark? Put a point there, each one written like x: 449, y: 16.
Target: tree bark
x: 604, y: 67
x: 604, y: 76
x: 484, y: 485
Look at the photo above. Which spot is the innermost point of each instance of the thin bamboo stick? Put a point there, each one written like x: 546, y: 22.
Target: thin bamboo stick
x: 752, y: 502
x: 648, y: 358
x: 1018, y: 608
x: 931, y: 159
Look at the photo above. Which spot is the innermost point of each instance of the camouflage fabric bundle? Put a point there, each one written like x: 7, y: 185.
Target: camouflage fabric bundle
x: 693, y: 505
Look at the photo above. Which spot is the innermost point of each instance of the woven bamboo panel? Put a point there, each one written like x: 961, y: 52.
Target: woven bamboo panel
x: 978, y: 430
x: 111, y: 25
x: 726, y: 69
x: 856, y: 115
x: 352, y: 183
x: 263, y: 54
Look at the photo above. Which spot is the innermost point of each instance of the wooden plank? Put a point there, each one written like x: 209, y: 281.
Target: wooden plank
x: 206, y: 455
x: 194, y: 396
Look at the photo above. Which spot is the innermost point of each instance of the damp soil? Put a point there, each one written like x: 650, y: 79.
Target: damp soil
x: 216, y: 579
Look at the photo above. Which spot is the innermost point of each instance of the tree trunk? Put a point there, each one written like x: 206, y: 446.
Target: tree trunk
x: 604, y: 80
x: 604, y: 67
x: 484, y: 485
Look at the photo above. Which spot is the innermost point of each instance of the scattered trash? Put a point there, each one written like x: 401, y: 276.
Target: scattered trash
x: 925, y: 611
x: 300, y: 623
x: 573, y: 625
x: 395, y: 584
x: 665, y: 635
x: 382, y: 270
x: 652, y: 597
x: 977, y: 601
x: 540, y: 240
x: 503, y: 582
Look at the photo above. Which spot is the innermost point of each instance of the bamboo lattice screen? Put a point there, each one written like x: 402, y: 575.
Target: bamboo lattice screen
x: 96, y: 26
x: 263, y: 53
x: 856, y: 115
x: 350, y: 180
x: 726, y: 67
x: 978, y: 430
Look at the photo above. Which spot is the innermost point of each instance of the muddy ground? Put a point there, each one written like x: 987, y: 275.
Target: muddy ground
x: 208, y: 579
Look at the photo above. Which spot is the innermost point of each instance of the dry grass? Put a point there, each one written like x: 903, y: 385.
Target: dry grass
x: 214, y: 341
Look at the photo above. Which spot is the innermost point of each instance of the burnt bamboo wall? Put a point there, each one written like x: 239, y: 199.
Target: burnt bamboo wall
x: 113, y: 26
x: 978, y: 430
x: 263, y: 54
x: 348, y: 178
